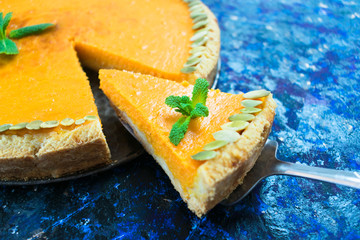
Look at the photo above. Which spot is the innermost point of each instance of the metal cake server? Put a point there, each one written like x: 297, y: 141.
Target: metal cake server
x: 267, y: 165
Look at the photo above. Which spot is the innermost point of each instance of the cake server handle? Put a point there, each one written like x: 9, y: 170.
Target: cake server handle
x: 346, y: 178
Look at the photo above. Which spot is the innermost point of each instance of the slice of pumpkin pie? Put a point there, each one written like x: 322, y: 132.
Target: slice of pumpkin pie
x: 205, y: 140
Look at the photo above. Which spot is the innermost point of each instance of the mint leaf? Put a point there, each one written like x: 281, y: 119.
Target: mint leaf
x: 200, y: 110
x: 2, y: 30
x: 6, y: 21
x: 179, y: 129
x: 200, y: 91
x: 175, y: 101
x: 182, y: 111
x: 8, y: 47
x: 187, y: 108
x: 181, y: 104
x: 29, y: 30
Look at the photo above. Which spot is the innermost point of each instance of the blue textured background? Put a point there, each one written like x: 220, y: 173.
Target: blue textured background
x: 307, y: 54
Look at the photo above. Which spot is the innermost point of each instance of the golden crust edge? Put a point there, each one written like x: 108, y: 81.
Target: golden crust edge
x: 52, y: 155
x: 217, y: 178
x: 207, y: 68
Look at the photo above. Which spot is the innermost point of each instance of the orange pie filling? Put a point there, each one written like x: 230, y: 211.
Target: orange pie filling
x: 143, y: 101
x: 40, y: 91
x: 45, y: 80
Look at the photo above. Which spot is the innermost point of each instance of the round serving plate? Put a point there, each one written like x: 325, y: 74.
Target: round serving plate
x: 123, y: 146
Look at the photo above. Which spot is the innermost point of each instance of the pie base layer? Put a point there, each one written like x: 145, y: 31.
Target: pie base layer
x: 52, y: 154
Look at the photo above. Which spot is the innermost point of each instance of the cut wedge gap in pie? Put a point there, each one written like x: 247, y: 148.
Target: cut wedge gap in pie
x: 231, y: 147
x: 49, y: 124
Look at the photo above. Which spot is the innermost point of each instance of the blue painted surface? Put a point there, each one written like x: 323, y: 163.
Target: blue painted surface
x: 307, y: 54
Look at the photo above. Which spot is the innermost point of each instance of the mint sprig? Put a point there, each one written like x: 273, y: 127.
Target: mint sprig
x: 190, y: 109
x: 7, y: 46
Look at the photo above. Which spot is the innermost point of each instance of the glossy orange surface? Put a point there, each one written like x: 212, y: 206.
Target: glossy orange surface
x: 142, y: 98
x: 45, y: 80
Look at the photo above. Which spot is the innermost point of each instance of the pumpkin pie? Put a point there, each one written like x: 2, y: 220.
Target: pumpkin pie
x: 235, y: 134
x: 49, y: 124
